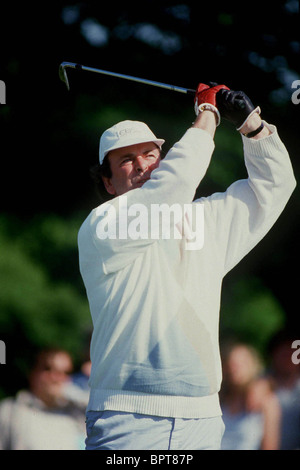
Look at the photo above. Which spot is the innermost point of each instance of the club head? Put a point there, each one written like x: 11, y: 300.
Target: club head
x: 63, y: 74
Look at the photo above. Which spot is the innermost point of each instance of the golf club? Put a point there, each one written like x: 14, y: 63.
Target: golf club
x: 63, y: 76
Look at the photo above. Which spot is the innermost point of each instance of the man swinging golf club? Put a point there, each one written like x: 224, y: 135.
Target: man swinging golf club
x: 156, y: 369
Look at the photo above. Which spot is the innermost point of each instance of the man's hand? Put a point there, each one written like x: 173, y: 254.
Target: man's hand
x: 207, y: 94
x: 205, y: 99
x: 235, y: 106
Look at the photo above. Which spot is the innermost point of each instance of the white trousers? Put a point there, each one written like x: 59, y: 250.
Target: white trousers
x: 115, y: 430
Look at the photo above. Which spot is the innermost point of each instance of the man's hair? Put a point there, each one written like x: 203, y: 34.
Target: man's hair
x: 42, y: 355
x: 97, y: 171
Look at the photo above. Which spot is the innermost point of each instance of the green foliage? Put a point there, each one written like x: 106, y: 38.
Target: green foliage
x: 250, y: 312
x: 42, y: 301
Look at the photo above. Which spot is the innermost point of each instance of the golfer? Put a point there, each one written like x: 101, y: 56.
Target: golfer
x: 155, y: 300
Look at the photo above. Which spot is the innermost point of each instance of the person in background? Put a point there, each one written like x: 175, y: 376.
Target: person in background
x: 285, y: 375
x: 77, y: 389
x: 251, y: 411
x: 41, y: 418
x: 80, y: 378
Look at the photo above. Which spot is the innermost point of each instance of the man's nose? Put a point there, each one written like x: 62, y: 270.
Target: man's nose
x: 141, y: 163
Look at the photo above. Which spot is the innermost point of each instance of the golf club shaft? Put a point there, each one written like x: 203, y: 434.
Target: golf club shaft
x: 63, y: 76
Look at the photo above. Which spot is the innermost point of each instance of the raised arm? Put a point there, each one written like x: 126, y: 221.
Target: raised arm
x: 242, y: 215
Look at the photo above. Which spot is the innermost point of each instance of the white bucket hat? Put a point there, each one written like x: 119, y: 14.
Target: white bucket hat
x: 126, y: 133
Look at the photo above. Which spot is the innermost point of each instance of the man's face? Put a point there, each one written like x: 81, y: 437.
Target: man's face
x: 131, y: 167
x: 49, y: 376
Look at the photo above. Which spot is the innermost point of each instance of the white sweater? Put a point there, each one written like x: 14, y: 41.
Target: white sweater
x: 154, y: 303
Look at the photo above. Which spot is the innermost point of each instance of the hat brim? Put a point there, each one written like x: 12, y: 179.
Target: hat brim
x: 132, y: 141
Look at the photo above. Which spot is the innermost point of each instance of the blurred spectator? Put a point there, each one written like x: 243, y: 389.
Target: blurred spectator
x: 251, y: 411
x: 81, y: 378
x: 41, y: 418
x: 77, y: 389
x: 286, y: 379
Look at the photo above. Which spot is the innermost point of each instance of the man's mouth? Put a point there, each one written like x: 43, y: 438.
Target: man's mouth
x: 140, y: 182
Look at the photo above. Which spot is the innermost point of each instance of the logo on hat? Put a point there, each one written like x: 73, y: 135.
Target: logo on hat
x: 124, y: 134
x: 128, y: 130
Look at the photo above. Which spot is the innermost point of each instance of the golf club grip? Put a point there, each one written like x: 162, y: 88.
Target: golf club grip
x: 240, y: 103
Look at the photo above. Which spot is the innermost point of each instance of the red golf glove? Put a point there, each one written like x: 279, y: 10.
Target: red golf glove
x: 206, y: 95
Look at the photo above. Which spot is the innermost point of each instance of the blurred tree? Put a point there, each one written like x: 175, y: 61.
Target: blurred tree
x: 250, y: 313
x: 41, y: 302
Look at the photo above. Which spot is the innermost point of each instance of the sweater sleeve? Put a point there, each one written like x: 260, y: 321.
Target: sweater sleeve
x: 244, y: 214
x: 173, y: 182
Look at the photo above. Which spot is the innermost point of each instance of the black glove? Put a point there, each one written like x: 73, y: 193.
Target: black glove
x: 235, y: 106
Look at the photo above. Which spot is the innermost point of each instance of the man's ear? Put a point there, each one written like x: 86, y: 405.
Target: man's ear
x: 108, y: 185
